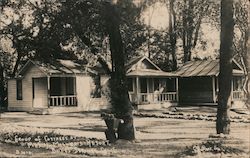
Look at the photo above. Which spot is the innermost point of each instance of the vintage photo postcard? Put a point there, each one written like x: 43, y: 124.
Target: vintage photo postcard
x: 124, y: 78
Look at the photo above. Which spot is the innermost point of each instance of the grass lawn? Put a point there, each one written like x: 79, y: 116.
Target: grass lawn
x: 156, y: 137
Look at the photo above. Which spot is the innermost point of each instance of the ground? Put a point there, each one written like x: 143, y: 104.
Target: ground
x: 156, y: 137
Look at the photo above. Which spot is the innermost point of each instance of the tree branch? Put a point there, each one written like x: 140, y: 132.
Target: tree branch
x: 95, y: 51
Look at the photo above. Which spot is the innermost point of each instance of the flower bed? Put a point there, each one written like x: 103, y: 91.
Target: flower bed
x: 213, y: 147
x: 180, y: 115
x: 52, y: 140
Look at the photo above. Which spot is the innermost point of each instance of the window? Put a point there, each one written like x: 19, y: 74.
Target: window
x: 143, y: 85
x: 130, y: 84
x: 96, y: 90
x: 19, y: 89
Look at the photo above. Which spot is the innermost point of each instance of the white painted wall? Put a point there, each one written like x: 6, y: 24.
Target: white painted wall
x: 83, y: 90
x: 26, y: 103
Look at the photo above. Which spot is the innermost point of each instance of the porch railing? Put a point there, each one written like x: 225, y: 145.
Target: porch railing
x: 69, y: 100
x: 238, y: 95
x: 153, y: 97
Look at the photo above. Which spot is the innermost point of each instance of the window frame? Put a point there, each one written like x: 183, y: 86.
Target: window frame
x: 96, y: 91
x: 19, y: 89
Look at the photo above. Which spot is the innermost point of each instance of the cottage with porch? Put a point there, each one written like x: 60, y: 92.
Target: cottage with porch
x: 198, y: 82
x: 147, y: 83
x: 56, y: 86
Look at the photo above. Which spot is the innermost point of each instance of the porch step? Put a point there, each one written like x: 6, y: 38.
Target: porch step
x: 39, y: 111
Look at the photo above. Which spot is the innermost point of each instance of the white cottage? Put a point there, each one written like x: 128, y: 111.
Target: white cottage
x: 147, y: 83
x: 58, y: 86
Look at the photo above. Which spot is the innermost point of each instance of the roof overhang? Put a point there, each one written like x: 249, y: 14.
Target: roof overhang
x: 150, y: 73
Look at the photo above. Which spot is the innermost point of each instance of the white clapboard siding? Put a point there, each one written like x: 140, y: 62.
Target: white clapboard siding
x: 26, y: 102
x: 83, y: 91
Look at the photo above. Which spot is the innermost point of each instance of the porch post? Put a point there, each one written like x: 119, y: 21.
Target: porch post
x: 177, y: 90
x: 137, y: 89
x: 153, y: 89
x: 75, y: 92
x: 214, y: 89
x: 48, y: 88
x: 148, y: 98
x: 232, y: 86
x: 217, y: 85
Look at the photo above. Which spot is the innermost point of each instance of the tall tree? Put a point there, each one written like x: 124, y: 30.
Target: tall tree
x: 225, y: 76
x: 27, y: 26
x: 121, y: 104
x: 106, y: 22
x: 192, y: 14
x: 6, y: 60
x: 172, y: 33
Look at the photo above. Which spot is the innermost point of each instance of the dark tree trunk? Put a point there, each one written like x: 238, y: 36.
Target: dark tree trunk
x: 172, y: 33
x: 225, y: 76
x: 188, y: 29
x: 122, y: 107
x: 184, y: 32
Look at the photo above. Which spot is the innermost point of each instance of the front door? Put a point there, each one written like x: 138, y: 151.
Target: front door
x: 144, y: 88
x: 40, y: 92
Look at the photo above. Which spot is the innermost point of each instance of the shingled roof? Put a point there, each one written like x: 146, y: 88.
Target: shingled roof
x: 205, y: 68
x: 58, y: 66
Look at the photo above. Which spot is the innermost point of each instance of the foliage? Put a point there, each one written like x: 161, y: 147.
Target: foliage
x: 241, y: 28
x: 22, y: 23
x: 241, y: 38
x: 182, y: 115
x: 189, y: 16
x: 52, y: 140
x: 212, y: 146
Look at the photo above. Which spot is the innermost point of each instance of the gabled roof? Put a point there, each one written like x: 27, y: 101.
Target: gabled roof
x: 134, y: 62
x: 205, y: 68
x: 133, y: 68
x: 58, y: 66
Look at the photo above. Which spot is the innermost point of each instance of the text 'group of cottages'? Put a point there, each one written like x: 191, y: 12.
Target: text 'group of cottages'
x: 68, y: 86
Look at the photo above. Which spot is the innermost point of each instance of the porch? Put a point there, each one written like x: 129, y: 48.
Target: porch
x: 62, y: 91
x: 238, y: 93
x: 69, y: 100
x: 146, y: 98
x: 204, y: 90
x: 148, y: 90
x: 56, y: 91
